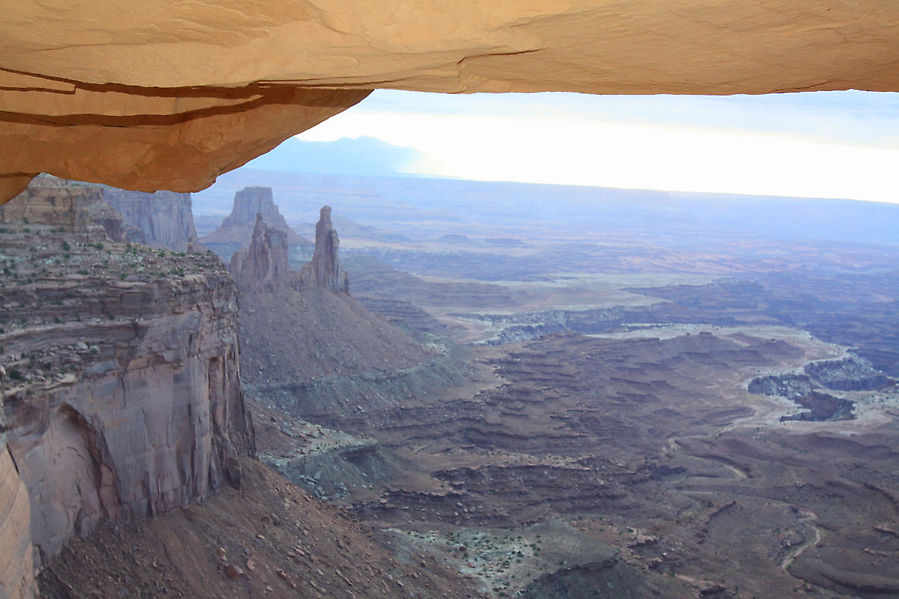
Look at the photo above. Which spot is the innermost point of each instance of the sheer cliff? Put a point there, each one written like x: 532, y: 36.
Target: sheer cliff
x: 164, y: 219
x: 122, y: 396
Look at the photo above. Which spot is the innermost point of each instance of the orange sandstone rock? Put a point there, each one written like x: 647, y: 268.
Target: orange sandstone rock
x: 154, y: 95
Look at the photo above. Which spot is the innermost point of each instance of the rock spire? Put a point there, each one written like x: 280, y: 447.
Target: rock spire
x: 325, y: 270
x: 264, y: 264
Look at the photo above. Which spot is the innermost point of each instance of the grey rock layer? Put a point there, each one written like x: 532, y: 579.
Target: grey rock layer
x: 162, y: 219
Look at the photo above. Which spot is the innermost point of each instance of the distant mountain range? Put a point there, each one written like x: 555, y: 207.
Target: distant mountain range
x: 370, y: 181
x: 386, y: 201
x: 359, y: 156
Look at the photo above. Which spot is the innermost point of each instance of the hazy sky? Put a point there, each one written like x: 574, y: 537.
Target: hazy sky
x: 825, y: 144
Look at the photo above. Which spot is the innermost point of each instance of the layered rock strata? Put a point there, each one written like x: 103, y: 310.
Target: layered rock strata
x: 67, y: 206
x: 122, y: 392
x: 163, y: 219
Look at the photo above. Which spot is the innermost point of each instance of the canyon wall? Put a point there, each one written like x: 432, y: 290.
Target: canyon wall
x: 122, y: 395
x: 67, y: 206
x: 148, y: 420
x: 153, y: 96
x: 164, y: 218
x: 16, y: 564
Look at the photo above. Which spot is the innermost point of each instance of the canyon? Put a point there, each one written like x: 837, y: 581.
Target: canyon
x: 609, y: 434
x: 607, y: 431
x: 96, y: 328
x: 123, y: 409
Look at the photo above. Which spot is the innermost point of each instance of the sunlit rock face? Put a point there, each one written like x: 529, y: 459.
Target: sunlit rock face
x: 153, y: 95
x: 16, y: 564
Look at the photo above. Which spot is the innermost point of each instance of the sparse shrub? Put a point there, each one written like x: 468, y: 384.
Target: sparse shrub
x: 15, y: 374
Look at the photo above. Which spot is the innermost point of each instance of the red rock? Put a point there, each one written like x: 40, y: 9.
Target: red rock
x: 233, y: 571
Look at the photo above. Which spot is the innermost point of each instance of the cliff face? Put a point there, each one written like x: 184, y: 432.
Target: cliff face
x: 264, y: 263
x: 71, y: 207
x: 122, y: 392
x: 16, y: 564
x: 236, y: 232
x: 325, y: 270
x: 164, y: 218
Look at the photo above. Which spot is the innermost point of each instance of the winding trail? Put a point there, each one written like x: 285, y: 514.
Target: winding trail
x: 791, y: 556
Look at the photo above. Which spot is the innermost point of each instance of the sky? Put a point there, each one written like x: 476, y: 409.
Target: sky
x: 819, y: 144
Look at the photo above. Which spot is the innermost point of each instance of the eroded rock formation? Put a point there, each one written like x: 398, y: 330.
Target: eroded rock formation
x: 67, y: 206
x: 122, y: 395
x: 264, y: 264
x: 325, y: 270
x: 236, y: 232
x: 16, y: 563
x: 164, y: 219
x: 251, y: 202
x: 150, y: 96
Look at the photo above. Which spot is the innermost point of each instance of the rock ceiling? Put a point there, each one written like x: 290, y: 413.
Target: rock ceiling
x: 164, y: 94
